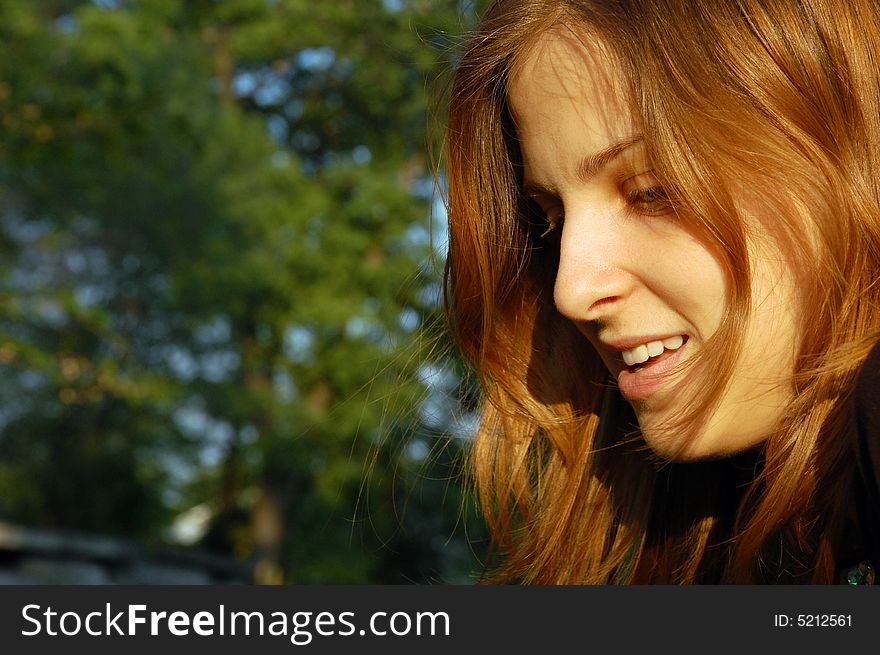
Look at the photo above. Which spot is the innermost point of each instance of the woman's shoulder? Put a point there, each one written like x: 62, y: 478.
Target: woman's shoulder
x: 867, y: 416
x: 867, y: 450
x: 870, y: 371
x: 867, y: 401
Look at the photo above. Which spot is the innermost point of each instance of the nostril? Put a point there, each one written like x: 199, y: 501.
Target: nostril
x: 602, y: 302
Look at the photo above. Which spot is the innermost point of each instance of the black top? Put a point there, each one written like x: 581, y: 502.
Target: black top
x: 867, y: 451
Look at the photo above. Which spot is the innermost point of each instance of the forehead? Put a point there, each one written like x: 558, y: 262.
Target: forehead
x: 562, y: 65
x: 566, y: 101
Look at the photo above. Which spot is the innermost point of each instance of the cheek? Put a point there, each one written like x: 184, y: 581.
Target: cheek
x: 773, y: 336
x: 761, y: 387
x: 693, y: 282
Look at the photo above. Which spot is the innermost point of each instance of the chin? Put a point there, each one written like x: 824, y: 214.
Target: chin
x: 673, y: 448
x: 699, y: 446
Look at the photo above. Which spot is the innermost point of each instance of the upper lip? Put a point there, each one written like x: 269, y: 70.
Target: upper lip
x: 628, y: 343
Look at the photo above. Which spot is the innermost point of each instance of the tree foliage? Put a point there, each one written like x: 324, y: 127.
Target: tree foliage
x: 216, y: 269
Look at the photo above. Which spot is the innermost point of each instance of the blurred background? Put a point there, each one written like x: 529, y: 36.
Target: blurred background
x: 221, y: 246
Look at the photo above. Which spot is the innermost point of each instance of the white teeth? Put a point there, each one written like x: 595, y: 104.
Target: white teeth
x: 673, y: 343
x: 654, y: 348
x: 641, y: 354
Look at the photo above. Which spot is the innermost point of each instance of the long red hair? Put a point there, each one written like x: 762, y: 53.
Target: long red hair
x: 782, y: 98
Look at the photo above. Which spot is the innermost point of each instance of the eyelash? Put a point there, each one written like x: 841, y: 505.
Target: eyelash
x: 650, y: 201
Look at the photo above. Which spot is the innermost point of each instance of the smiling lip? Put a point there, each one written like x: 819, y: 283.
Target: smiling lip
x: 640, y: 381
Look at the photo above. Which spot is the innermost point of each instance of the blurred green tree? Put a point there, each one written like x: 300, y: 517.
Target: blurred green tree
x: 216, y: 269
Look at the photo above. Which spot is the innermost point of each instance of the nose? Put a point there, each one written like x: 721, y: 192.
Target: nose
x: 594, y: 275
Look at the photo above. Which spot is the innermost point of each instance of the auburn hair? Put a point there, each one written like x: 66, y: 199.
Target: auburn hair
x: 778, y: 97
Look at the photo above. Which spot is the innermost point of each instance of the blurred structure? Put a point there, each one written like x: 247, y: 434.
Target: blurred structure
x: 31, y: 556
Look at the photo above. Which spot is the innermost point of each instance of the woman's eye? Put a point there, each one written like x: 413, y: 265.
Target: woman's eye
x: 653, y: 200
x: 552, y: 222
x: 548, y: 216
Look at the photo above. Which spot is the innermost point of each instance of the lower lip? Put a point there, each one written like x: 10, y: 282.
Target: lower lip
x: 638, y: 385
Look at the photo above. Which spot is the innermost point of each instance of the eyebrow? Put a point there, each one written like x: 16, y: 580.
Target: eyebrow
x: 590, y: 165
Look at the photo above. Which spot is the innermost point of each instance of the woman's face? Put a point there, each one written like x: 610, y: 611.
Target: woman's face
x: 632, y: 276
